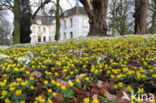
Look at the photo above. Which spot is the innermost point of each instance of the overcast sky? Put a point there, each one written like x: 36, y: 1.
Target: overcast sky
x: 64, y: 4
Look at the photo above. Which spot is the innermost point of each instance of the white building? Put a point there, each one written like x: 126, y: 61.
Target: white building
x: 74, y: 24
x: 43, y: 29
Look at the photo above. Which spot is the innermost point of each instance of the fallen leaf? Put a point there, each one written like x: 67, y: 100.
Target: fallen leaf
x: 60, y: 98
x: 36, y: 74
x: 100, y: 84
x: 110, y: 96
x: 121, y: 93
x: 62, y: 82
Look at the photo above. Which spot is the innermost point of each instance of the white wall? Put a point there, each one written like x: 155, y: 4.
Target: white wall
x: 78, y: 29
x: 38, y: 30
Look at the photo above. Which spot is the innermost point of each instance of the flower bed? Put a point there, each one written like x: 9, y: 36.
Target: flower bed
x: 94, y: 70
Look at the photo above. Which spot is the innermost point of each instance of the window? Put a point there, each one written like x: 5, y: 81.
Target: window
x: 49, y: 38
x: 44, y: 29
x: 50, y: 29
x: 44, y: 39
x: 71, y: 23
x: 85, y: 23
x: 64, y: 36
x: 39, y: 38
x: 71, y: 35
x: 34, y: 38
x: 39, y: 29
x: 34, y: 29
x: 64, y: 24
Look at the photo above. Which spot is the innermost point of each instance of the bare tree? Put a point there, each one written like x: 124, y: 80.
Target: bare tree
x: 57, y: 35
x: 140, y: 15
x: 14, y: 6
x: 152, y: 7
x: 97, y: 13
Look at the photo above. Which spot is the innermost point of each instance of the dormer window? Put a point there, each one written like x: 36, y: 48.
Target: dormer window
x: 38, y: 21
x: 65, y: 14
x: 71, y: 23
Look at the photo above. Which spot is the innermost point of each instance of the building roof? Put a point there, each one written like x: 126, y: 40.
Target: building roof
x: 44, y: 20
x: 75, y: 10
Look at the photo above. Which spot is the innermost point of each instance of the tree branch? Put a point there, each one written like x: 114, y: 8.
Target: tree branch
x: 88, y: 6
x: 41, y: 6
x: 153, y: 10
x: 5, y: 5
x: 69, y: 3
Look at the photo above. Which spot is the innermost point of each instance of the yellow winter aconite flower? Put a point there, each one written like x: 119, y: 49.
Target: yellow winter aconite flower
x: 54, y: 94
x: 139, y: 100
x: 4, y: 93
x: 154, y: 76
x: 45, y: 82
x: 2, y: 84
x: 63, y: 87
x: 24, y: 83
x: 18, y: 92
x: 132, y: 102
x: 71, y: 84
x: 115, y: 86
x: 130, y: 88
x: 32, y: 87
x: 7, y: 100
x: 49, y: 90
x: 112, y: 76
x: 152, y: 101
x: 40, y: 99
x: 120, y: 84
x: 86, y: 78
x: 53, y: 82
x: 22, y: 101
x: 78, y: 80
x: 31, y: 78
x: 18, y: 79
x: 58, y: 84
x: 27, y: 72
x: 86, y: 100
x: 95, y: 100
x: 12, y: 88
x: 82, y: 75
x: 50, y: 101
x: 141, y: 90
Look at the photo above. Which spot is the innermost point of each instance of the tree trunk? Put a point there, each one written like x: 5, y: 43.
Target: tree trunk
x: 154, y: 18
x: 57, y: 35
x: 140, y: 15
x: 97, y: 12
x: 16, y: 35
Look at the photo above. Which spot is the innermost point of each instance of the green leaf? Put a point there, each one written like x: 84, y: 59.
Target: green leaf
x: 68, y: 93
x: 115, y: 101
